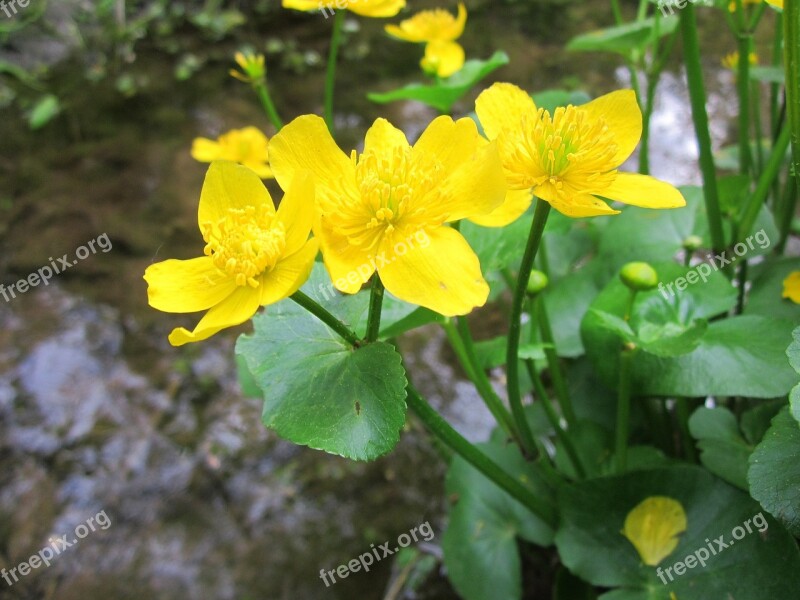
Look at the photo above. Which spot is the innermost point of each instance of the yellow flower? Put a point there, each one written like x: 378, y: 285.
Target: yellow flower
x: 731, y: 61
x: 254, y: 256
x: 431, y: 25
x: 732, y: 5
x: 653, y: 527
x: 442, y: 59
x: 570, y: 159
x: 776, y: 3
x: 252, y: 65
x: 791, y: 287
x: 248, y: 146
x: 386, y: 210
x: 365, y: 8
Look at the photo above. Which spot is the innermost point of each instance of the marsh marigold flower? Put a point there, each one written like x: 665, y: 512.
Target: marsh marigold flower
x: 431, y: 25
x: 653, y: 527
x: 386, y: 210
x: 252, y: 68
x: 248, y: 146
x: 365, y: 8
x: 442, y: 59
x: 570, y: 158
x: 254, y: 255
x: 438, y: 29
x: 791, y: 287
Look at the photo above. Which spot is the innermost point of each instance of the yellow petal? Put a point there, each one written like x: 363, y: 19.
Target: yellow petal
x: 349, y: 267
x: 233, y: 310
x: 580, y: 205
x: 461, y: 21
x: 376, y: 8
x: 502, y: 107
x: 453, y: 143
x: 653, y: 527
x: 475, y: 188
x: 228, y: 185
x: 514, y: 205
x: 205, y: 150
x: 776, y: 3
x: 383, y: 139
x: 183, y: 286
x: 288, y: 274
x: 442, y: 58
x: 430, y: 25
x: 644, y: 191
x: 791, y: 287
x: 621, y: 113
x: 305, y: 5
x: 260, y: 169
x: 305, y: 144
x: 443, y: 274
x: 297, y: 212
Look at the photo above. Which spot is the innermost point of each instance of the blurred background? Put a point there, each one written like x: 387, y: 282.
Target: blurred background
x: 99, y: 103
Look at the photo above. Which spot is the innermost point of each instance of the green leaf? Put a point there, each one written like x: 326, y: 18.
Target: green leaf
x: 444, y: 94
x: 480, y: 547
x: 552, y: 99
x: 247, y: 382
x: 45, y: 110
x: 567, y: 299
x: 498, y: 247
x: 765, y: 297
x: 653, y: 235
x: 320, y: 392
x: 774, y: 474
x: 793, y: 352
x: 592, y: 547
x: 622, y: 39
x: 569, y: 587
x: 723, y: 450
x: 769, y: 74
x: 729, y: 359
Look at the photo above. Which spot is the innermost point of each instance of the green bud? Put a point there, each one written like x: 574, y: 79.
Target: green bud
x: 536, y: 282
x: 692, y: 243
x: 639, y: 276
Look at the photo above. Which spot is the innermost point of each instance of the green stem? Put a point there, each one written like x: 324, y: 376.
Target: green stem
x: 475, y: 371
x: 623, y: 410
x: 493, y: 401
x: 515, y: 325
x: 330, y: 75
x: 791, y: 49
x: 775, y: 87
x: 788, y: 207
x: 743, y: 88
x: 559, y: 381
x: 445, y: 432
x: 771, y: 170
x: 644, y: 146
x: 617, y: 11
x: 555, y: 423
x: 269, y: 107
x: 323, y: 315
x: 375, y: 306
x: 682, y: 411
x: 697, y: 95
x: 758, y: 130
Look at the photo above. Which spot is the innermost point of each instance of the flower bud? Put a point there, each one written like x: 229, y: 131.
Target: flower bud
x: 692, y: 243
x: 639, y: 276
x: 536, y: 282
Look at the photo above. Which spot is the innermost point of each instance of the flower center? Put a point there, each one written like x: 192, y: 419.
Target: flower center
x: 245, y: 243
x: 394, y: 191
x: 564, y: 149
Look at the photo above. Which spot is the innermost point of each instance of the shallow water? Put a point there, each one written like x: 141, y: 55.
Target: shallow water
x: 99, y: 413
